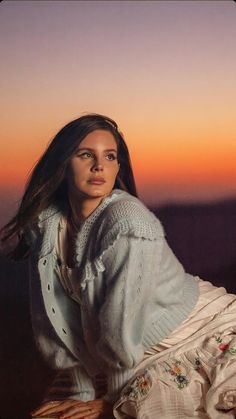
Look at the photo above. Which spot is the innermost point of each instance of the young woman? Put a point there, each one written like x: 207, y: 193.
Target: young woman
x: 130, y: 333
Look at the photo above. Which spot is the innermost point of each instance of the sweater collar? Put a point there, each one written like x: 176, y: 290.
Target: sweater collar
x: 49, y: 219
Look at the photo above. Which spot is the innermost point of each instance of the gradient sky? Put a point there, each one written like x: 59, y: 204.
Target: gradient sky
x: 164, y: 70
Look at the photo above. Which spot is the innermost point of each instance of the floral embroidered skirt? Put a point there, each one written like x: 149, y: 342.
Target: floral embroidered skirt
x: 195, y: 378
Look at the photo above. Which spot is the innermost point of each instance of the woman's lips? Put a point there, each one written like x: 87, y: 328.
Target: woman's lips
x: 98, y: 181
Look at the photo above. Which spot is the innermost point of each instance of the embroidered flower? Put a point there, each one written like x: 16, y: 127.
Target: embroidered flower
x: 176, y: 370
x: 225, y: 347
x: 139, y: 387
x: 198, y: 364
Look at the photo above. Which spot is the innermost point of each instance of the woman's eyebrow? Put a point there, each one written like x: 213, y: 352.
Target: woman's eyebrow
x: 92, y: 149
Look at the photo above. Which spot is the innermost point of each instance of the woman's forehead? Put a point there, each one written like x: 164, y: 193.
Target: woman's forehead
x: 99, y: 139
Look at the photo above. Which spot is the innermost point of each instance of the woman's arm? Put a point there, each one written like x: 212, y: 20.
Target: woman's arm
x: 69, y: 397
x: 130, y: 285
x: 73, y: 383
x: 148, y: 294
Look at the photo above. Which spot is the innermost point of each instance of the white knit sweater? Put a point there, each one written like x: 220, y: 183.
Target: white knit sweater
x: 130, y: 293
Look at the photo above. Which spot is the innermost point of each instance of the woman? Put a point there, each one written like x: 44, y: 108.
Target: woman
x: 129, y: 332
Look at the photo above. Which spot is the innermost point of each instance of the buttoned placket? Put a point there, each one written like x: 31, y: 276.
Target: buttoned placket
x: 53, y: 310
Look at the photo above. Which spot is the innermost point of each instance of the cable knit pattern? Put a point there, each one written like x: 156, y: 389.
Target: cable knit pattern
x: 133, y: 290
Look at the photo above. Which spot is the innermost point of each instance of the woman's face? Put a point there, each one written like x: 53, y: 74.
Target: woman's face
x: 93, y: 168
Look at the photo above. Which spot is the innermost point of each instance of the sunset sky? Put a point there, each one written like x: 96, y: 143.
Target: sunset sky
x: 164, y: 70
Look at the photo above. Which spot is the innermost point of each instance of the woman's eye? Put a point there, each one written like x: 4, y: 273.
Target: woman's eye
x: 88, y: 155
x: 111, y: 157
x: 85, y: 155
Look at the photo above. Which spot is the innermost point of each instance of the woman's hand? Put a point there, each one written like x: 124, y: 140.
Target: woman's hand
x: 75, y: 409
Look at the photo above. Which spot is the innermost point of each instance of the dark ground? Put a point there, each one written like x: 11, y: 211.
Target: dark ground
x: 203, y: 238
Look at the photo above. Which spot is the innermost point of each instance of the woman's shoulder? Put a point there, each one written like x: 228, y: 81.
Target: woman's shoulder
x: 129, y: 214
x: 45, y: 219
x: 48, y: 213
x: 125, y: 205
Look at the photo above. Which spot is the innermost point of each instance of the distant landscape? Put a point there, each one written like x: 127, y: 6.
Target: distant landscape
x: 202, y: 236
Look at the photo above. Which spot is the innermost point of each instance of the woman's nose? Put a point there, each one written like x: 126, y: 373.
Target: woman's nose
x: 98, y: 166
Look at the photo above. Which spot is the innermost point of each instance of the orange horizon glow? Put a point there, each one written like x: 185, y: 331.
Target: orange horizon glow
x: 167, y: 78
x: 208, y: 161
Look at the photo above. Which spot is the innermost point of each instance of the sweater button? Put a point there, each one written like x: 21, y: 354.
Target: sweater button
x: 45, y: 261
x: 64, y: 331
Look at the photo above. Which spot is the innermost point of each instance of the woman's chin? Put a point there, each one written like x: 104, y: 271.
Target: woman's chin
x: 96, y: 193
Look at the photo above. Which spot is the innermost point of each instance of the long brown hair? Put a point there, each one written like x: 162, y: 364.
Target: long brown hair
x: 47, y: 184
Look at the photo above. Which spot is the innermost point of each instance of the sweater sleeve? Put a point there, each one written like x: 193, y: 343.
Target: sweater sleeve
x: 128, y: 269
x: 71, y: 383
